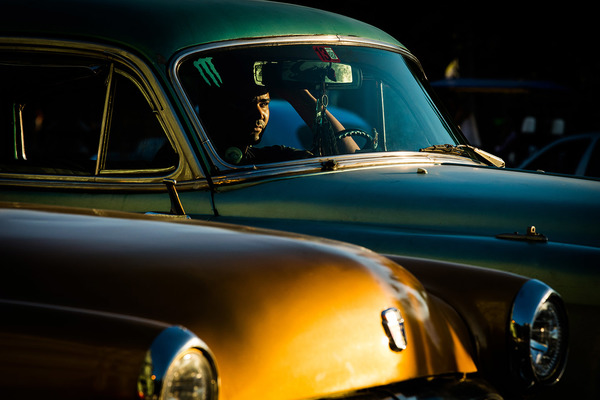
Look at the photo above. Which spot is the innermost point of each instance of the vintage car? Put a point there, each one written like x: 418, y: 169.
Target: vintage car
x: 140, y: 106
x: 94, y: 305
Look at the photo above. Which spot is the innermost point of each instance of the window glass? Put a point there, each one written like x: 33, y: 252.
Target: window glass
x: 50, y: 115
x: 51, y: 119
x: 261, y: 105
x: 136, y: 139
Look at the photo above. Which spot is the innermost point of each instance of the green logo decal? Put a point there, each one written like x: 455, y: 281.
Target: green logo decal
x: 208, y: 71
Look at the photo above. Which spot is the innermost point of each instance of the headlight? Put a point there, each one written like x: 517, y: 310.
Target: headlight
x: 539, y: 335
x: 178, y: 366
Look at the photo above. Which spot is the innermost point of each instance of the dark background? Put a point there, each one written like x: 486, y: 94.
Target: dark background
x: 527, y: 42
x: 499, y: 41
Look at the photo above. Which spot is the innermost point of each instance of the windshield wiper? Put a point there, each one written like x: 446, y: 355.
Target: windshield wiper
x: 444, y: 148
x: 466, y: 150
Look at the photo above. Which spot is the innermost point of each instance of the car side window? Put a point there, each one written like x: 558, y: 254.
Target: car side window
x: 77, y: 116
x: 50, y: 116
x: 135, y: 139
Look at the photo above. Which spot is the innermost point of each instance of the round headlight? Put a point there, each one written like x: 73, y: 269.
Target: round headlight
x: 190, y: 377
x: 546, y: 340
x: 178, y: 366
x: 539, y: 330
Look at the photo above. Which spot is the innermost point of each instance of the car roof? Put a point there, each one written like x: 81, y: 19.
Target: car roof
x: 160, y: 28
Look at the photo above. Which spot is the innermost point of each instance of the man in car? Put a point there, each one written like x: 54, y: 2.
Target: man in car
x: 246, y: 129
x: 239, y: 115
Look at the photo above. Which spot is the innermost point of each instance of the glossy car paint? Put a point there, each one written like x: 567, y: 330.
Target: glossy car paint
x: 157, y: 40
x: 315, y: 317
x: 452, y: 212
x: 428, y: 205
x: 60, y: 352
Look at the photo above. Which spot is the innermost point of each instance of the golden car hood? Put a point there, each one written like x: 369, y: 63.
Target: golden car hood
x: 286, y: 317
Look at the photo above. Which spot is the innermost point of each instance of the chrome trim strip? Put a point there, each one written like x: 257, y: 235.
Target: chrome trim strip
x: 100, y: 186
x: 402, y: 159
x: 532, y: 294
x: 288, y: 40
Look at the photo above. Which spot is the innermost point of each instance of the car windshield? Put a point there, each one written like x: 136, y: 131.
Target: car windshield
x: 276, y: 103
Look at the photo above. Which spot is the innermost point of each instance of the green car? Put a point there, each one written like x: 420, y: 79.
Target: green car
x: 278, y: 116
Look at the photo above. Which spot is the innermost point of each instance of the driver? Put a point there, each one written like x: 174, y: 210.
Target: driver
x: 252, y: 117
x: 239, y: 115
x: 245, y: 131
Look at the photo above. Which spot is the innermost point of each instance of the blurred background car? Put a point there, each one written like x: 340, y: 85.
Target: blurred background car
x: 571, y: 155
x: 508, y: 117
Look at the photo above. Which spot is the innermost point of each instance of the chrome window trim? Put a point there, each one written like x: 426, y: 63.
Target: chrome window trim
x: 189, y: 166
x: 328, y: 164
x: 221, y: 168
x: 103, y: 184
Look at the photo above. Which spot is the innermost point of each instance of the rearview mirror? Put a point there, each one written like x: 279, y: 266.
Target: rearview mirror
x: 307, y: 74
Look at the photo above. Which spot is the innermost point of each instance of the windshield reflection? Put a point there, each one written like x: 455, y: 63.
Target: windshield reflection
x: 270, y: 104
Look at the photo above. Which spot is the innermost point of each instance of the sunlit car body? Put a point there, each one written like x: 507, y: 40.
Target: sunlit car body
x: 98, y: 114
x: 91, y: 303
x: 572, y: 155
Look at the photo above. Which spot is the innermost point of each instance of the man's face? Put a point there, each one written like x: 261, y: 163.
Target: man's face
x: 252, y: 118
x: 260, y: 105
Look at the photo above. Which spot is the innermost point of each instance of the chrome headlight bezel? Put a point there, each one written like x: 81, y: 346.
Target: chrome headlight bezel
x: 539, y: 335
x: 175, y: 352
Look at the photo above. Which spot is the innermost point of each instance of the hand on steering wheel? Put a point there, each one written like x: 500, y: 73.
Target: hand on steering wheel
x: 371, y: 140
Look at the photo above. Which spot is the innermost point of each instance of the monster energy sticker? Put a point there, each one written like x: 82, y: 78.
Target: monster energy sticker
x: 208, y: 71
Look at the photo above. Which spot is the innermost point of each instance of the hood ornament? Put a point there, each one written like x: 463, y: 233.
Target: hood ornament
x: 393, y: 324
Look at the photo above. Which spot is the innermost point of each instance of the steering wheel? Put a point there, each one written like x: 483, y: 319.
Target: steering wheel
x: 371, y: 140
